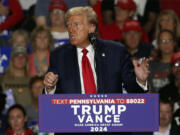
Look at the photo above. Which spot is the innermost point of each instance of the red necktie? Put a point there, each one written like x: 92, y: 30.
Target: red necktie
x: 88, y: 78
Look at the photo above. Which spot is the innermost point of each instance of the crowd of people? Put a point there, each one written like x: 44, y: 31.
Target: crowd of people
x: 149, y: 29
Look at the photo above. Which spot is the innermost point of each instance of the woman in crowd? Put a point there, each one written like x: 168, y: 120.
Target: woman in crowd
x: 17, y: 121
x: 19, y: 37
x: 36, y: 87
x: 42, y: 43
x: 160, y: 66
x: 16, y: 77
x: 167, y: 20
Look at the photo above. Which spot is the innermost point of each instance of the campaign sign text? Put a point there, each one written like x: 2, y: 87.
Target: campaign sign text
x: 98, y: 113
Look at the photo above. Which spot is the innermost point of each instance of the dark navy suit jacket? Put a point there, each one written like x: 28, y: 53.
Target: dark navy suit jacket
x: 113, y: 67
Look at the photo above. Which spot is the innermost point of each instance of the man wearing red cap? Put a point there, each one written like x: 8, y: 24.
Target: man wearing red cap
x: 57, y: 9
x: 132, y: 33
x: 59, y: 4
x: 42, y: 13
x: 124, y: 10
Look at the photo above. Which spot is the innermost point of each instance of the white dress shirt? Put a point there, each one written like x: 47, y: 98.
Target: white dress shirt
x: 90, y: 56
x: 167, y: 132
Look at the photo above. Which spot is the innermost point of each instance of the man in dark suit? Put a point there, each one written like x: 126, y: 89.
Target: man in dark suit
x: 92, y: 67
x: 109, y: 61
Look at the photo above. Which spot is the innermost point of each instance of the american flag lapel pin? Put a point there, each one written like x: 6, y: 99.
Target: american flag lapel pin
x: 103, y: 55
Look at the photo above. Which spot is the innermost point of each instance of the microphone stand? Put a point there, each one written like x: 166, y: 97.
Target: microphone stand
x: 93, y: 40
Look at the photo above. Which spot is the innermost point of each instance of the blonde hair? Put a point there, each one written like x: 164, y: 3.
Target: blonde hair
x: 10, y: 70
x: 38, y: 30
x: 87, y: 11
x: 19, y: 32
x: 174, y: 17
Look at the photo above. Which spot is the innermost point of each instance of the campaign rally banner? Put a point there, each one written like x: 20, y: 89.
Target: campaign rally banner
x: 98, y: 113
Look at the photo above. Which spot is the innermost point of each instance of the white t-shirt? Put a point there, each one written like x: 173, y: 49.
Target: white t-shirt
x: 60, y: 38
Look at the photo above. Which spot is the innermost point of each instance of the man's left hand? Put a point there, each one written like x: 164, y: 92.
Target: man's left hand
x: 141, y: 68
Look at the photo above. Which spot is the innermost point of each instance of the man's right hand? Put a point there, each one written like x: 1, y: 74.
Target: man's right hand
x: 50, y: 81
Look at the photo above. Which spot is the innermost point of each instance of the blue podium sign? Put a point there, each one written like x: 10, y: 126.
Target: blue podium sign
x: 68, y: 113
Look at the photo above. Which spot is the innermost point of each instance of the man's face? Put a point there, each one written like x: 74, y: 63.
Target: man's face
x: 79, y: 28
x: 132, y: 39
x: 122, y: 15
x: 166, y: 113
x: 57, y: 17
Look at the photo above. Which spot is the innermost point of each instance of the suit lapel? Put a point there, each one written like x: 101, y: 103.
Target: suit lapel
x: 101, y: 66
x: 73, y: 70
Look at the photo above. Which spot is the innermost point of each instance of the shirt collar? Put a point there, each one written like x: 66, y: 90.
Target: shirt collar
x: 89, y: 48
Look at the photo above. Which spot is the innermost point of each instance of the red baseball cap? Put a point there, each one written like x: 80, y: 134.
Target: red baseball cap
x: 126, y: 4
x: 57, y: 4
x: 175, y: 57
x: 132, y: 25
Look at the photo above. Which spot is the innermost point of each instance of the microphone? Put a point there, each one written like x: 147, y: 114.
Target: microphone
x: 92, y: 38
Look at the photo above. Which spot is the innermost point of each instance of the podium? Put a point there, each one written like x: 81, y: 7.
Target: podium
x: 71, y: 113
